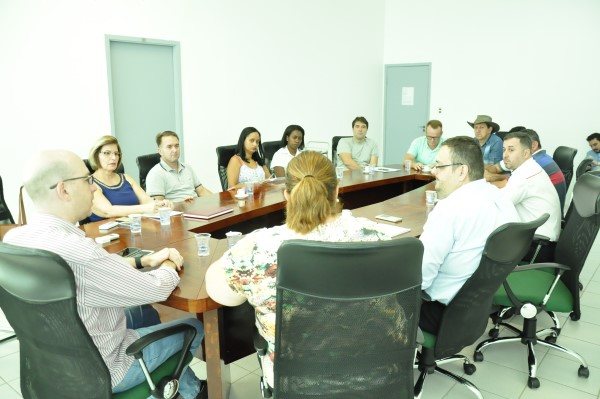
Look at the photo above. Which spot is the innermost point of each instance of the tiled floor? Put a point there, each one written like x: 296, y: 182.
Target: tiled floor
x: 503, y: 373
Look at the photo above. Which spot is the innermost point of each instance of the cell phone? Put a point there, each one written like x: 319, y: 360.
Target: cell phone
x: 388, y: 218
x: 132, y: 252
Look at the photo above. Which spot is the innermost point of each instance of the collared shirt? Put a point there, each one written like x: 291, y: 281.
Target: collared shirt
x: 282, y: 157
x: 174, y: 185
x: 105, y: 283
x: 361, y: 152
x: 595, y: 156
x: 533, y: 194
x: 455, y: 234
x: 421, y: 151
x: 492, y: 150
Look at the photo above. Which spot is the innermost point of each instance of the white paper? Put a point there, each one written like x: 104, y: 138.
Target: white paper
x: 408, y: 96
x: 157, y: 216
x: 391, y: 230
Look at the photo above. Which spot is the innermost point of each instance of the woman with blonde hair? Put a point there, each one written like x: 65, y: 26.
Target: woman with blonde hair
x: 118, y: 194
x: 248, y: 270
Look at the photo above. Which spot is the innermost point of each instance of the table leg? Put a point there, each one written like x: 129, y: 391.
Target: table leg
x: 218, y: 374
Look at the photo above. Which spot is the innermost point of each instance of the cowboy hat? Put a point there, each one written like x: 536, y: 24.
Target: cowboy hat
x: 485, y: 119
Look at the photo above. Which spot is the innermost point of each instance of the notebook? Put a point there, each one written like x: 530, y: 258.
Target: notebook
x: 207, y: 213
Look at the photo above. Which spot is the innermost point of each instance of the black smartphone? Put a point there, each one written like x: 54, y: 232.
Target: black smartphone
x: 132, y: 252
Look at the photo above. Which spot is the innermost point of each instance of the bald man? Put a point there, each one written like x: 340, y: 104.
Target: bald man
x: 61, y: 188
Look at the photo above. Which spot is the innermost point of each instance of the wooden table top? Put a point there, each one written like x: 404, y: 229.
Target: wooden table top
x: 191, y: 294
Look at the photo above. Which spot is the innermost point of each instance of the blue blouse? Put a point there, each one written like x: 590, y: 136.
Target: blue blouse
x: 120, y: 194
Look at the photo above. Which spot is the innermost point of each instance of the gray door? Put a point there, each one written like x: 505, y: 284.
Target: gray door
x: 145, y: 94
x: 407, y: 91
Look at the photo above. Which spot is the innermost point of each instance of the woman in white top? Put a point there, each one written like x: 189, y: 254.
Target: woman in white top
x: 247, y: 165
x: 292, y: 143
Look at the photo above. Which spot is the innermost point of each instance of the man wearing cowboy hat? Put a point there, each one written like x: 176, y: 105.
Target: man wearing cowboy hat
x: 491, y: 145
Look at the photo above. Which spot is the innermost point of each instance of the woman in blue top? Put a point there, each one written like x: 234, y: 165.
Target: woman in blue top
x: 118, y: 194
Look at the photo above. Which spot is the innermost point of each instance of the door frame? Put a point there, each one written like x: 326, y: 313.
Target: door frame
x: 176, y: 77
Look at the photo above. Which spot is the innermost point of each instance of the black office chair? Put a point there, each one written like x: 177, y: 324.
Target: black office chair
x: 564, y: 156
x: 5, y: 215
x: 58, y: 357
x: 583, y: 167
x: 120, y: 169
x: 532, y: 289
x: 346, y: 321
x: 501, y: 135
x: 334, y: 144
x: 270, y: 148
x: 224, y: 154
x: 465, y: 317
x: 145, y: 163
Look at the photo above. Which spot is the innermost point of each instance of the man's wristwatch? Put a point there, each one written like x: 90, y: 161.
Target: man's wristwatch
x: 138, y: 262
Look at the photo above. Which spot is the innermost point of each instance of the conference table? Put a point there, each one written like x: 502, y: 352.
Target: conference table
x: 228, y: 331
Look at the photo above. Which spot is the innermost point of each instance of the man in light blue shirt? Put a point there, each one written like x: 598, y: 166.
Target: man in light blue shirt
x: 457, y: 228
x: 491, y: 145
x: 423, y: 150
x: 594, y: 154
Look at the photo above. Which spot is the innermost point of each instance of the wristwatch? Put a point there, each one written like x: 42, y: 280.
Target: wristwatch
x: 138, y: 262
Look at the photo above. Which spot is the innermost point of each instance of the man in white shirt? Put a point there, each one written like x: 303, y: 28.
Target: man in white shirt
x: 457, y: 228
x: 358, y: 151
x: 61, y: 188
x: 531, y: 190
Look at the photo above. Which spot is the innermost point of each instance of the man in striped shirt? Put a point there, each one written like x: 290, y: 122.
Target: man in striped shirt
x: 60, y: 186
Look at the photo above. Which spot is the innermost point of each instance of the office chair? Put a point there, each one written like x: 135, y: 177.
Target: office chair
x: 346, y: 319
x: 321, y: 147
x: 531, y: 289
x: 583, y: 167
x: 224, y: 154
x: 501, y: 135
x: 145, y: 163
x: 465, y: 317
x: 270, y: 148
x: 120, y: 169
x: 5, y: 215
x: 564, y: 156
x: 58, y: 357
x: 334, y: 144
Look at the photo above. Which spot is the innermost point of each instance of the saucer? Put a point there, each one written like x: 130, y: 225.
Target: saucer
x: 241, y: 196
x: 428, y: 170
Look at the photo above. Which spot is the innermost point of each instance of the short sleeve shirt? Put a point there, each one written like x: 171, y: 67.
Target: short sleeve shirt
x: 361, y: 152
x: 174, y: 185
x: 421, y: 151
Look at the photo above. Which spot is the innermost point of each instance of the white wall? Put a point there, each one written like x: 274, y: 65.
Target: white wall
x: 266, y: 63
x: 532, y: 63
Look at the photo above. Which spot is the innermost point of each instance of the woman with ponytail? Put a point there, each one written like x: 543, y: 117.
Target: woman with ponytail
x: 248, y: 270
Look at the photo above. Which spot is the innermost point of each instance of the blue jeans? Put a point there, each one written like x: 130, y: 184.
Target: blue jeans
x: 141, y: 316
x: 158, y: 352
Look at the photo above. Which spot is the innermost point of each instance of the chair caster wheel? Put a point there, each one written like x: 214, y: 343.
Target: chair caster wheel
x: 494, y: 332
x: 478, y: 356
x: 551, y: 339
x: 469, y: 368
x: 583, y: 372
x: 573, y: 316
x: 533, y: 382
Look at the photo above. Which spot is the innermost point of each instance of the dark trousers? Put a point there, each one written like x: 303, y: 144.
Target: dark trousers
x: 431, y: 316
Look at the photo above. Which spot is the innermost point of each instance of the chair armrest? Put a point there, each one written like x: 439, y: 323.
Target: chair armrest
x: 547, y: 265
x: 542, y: 240
x: 135, y: 349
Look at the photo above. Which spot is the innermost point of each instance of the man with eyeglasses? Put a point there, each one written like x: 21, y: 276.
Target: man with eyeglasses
x: 468, y: 210
x: 107, y: 284
x: 491, y: 145
x: 171, y: 179
x: 423, y: 150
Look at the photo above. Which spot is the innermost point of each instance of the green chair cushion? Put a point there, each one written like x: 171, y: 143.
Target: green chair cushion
x: 142, y: 391
x: 531, y: 286
x: 429, y: 340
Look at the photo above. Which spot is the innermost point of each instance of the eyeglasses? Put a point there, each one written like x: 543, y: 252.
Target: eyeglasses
x: 436, y: 166
x: 89, y: 178
x: 431, y: 138
x: 109, y: 153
